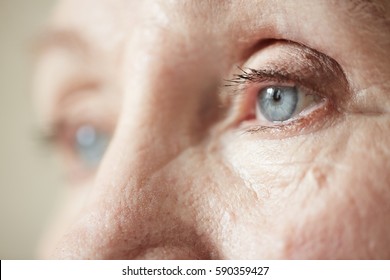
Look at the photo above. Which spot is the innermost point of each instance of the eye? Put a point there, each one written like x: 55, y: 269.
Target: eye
x: 282, y: 103
x: 90, y: 145
x: 287, y: 89
x: 81, y: 146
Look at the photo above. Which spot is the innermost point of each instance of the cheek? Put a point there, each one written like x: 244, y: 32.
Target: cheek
x: 345, y: 221
x: 319, y: 196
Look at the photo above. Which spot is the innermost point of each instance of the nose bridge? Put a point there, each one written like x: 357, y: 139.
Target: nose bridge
x: 161, y: 107
x: 167, y: 80
x: 170, y: 98
x: 135, y: 206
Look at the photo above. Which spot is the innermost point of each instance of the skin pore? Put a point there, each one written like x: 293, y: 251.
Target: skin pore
x: 194, y: 169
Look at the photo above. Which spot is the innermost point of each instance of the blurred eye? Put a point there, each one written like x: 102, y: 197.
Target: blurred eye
x: 81, y: 146
x: 282, y: 103
x: 90, y: 145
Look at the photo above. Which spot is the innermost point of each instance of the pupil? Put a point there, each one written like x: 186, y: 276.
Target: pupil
x: 277, y: 96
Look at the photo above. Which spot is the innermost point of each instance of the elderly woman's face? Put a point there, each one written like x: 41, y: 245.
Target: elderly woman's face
x: 219, y: 129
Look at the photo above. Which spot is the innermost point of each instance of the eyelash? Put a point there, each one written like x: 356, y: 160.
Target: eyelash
x: 261, y: 75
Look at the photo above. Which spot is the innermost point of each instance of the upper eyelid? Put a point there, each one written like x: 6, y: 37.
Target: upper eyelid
x: 296, y: 64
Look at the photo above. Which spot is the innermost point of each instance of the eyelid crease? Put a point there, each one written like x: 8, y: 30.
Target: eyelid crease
x: 294, y: 64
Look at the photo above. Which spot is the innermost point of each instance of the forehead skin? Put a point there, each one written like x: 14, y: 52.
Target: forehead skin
x: 166, y: 58
x: 233, y: 27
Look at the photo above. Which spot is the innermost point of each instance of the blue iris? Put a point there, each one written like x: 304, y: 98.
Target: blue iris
x: 278, y: 103
x: 90, y: 144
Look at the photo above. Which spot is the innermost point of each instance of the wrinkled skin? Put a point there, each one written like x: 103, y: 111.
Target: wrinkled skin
x: 183, y: 178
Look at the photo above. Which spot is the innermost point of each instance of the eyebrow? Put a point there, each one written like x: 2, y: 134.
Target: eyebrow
x: 372, y: 11
x: 67, y: 39
x: 366, y: 6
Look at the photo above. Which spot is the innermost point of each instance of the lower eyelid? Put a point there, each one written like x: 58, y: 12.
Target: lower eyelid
x: 319, y: 117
